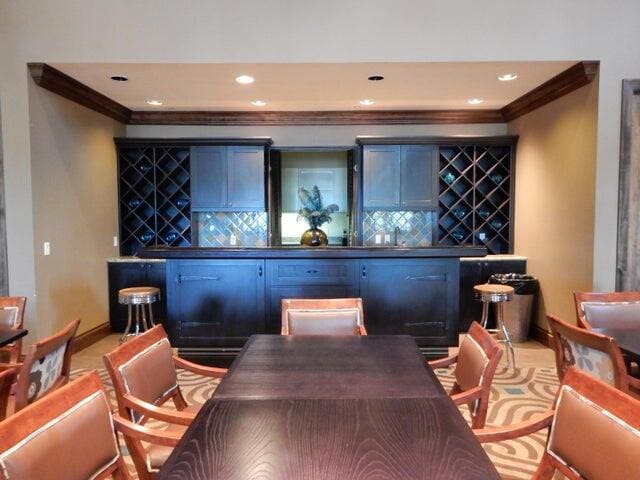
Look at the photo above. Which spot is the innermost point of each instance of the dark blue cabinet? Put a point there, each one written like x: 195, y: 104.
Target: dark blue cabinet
x: 381, y: 177
x: 215, y: 303
x: 399, y: 177
x: 412, y: 297
x: 227, y: 178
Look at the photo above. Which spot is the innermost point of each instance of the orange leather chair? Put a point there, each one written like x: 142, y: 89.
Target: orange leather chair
x: 476, y: 363
x: 69, y: 435
x: 594, y: 432
x: 330, y: 316
x: 143, y: 371
x: 12, y: 317
x: 597, y: 355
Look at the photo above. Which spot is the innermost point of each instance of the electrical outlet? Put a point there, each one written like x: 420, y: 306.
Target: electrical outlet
x: 387, y: 239
x: 233, y: 239
x: 482, y: 236
x: 46, y: 248
x: 378, y: 239
x: 115, y: 241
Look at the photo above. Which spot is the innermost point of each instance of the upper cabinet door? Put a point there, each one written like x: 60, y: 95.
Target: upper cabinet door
x: 246, y: 178
x: 208, y: 178
x: 418, y: 177
x: 381, y: 177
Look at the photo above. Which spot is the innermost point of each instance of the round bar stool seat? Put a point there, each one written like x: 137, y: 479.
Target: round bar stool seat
x: 141, y: 298
x: 493, y: 293
x: 497, y: 294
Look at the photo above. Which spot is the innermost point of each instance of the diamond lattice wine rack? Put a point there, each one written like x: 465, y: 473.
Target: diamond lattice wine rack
x: 154, y: 194
x: 475, y: 206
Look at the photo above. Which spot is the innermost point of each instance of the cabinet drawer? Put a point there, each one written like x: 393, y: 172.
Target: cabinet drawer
x: 312, y: 272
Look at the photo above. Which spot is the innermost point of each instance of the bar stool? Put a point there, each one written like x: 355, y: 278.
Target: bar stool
x: 138, y: 297
x: 497, y: 294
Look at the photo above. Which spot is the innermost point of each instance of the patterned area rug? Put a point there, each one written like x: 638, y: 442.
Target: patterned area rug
x: 515, y: 397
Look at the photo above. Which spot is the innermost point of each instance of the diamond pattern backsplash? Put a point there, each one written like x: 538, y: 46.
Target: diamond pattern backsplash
x: 215, y: 229
x: 416, y: 228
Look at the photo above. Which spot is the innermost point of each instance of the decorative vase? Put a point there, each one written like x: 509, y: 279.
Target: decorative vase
x: 314, y: 237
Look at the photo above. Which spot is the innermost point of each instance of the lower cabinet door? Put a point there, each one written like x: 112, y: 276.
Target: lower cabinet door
x: 215, y: 303
x: 417, y: 297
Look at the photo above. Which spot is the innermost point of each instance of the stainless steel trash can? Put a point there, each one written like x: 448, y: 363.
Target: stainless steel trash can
x: 517, y: 312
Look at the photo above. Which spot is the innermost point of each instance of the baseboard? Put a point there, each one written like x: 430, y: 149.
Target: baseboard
x: 543, y: 336
x: 88, y: 338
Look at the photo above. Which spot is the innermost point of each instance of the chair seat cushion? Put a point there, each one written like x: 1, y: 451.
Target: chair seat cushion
x: 158, y: 454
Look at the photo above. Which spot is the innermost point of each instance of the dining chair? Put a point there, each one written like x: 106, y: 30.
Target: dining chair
x: 611, y: 309
x: 327, y: 316
x: 143, y: 371
x: 12, y: 317
x: 595, y: 354
x: 594, y: 431
x: 70, y: 434
x: 46, y: 367
x: 7, y: 379
x: 476, y: 363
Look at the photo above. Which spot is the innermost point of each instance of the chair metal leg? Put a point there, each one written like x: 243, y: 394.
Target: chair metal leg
x: 151, y: 315
x: 507, y: 338
x: 485, y: 314
x: 128, y: 327
x: 137, y: 329
x: 144, y: 317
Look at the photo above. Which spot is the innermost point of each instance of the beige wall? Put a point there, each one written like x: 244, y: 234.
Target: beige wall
x: 309, y: 31
x: 555, y: 198
x: 73, y: 168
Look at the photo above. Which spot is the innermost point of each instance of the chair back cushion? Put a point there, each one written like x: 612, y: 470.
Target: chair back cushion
x: 150, y: 374
x: 612, y: 314
x: 340, y: 321
x: 591, y: 440
x: 8, y: 317
x: 590, y: 360
x: 472, y: 362
x: 45, y: 372
x: 77, y: 445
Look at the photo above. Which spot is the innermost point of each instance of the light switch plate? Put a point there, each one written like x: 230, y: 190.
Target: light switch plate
x: 233, y: 239
x: 378, y: 239
x: 387, y: 238
x: 46, y: 248
x: 115, y: 241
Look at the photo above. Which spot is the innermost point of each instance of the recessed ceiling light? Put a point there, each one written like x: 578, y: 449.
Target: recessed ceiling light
x: 475, y: 101
x: 155, y: 103
x: 119, y: 78
x: 376, y: 78
x: 366, y: 102
x: 244, y: 79
x: 259, y: 103
x: 507, y: 77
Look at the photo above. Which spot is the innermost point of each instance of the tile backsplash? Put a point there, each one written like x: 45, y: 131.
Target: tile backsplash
x: 214, y: 229
x: 416, y: 227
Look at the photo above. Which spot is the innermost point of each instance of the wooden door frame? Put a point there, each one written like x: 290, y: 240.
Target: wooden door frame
x: 4, y: 265
x: 628, y: 243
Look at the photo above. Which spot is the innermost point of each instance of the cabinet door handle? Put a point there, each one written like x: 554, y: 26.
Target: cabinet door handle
x: 427, y: 278
x: 193, y: 278
x: 260, y: 271
x: 312, y: 272
x: 364, y: 271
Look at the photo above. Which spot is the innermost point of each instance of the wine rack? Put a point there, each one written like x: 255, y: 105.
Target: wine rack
x: 154, y: 193
x: 475, y: 196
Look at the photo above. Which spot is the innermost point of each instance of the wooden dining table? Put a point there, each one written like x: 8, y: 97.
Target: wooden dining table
x: 10, y: 335
x: 329, y: 408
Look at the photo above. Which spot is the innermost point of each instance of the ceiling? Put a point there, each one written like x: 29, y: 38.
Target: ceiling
x: 317, y: 86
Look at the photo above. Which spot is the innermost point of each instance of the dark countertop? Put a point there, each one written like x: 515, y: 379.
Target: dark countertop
x: 299, y: 252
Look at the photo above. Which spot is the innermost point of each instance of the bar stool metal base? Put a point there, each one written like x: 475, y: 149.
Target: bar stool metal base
x: 141, y: 298
x: 497, y: 294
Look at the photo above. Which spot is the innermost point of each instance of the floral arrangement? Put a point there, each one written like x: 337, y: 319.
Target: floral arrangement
x: 313, y: 210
